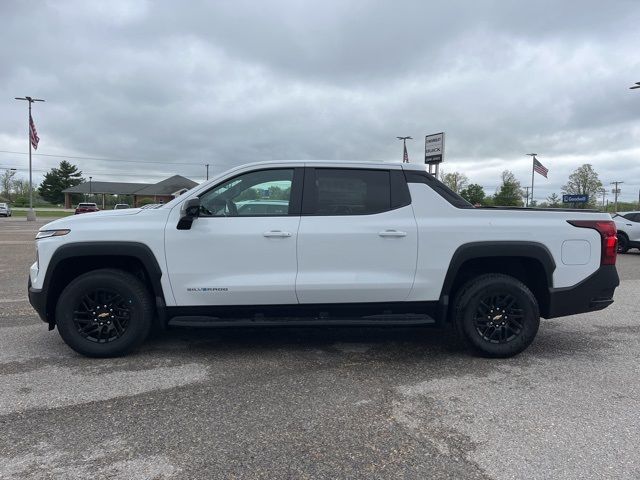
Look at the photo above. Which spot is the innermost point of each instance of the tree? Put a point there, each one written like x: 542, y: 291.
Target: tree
x: 455, y: 181
x: 277, y: 193
x: 554, y: 201
x: 474, y: 194
x: 59, y: 179
x: 584, y: 181
x: 510, y: 193
x: 21, y: 187
x: 6, y: 182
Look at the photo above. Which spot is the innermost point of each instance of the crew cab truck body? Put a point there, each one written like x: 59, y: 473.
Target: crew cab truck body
x: 360, y: 244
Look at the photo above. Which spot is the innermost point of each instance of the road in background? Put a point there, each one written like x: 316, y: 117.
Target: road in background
x: 318, y: 403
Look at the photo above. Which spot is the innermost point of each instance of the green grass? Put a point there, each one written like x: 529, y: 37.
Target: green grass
x: 42, y: 213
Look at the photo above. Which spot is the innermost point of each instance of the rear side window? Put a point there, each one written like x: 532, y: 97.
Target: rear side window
x: 343, y: 191
x: 440, y: 188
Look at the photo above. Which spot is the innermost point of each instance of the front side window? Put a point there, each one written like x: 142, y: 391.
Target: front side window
x: 259, y: 193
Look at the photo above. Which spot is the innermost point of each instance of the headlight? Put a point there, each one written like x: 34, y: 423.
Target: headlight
x: 51, y: 233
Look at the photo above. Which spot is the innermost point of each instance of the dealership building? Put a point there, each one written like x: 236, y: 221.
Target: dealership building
x: 160, y: 192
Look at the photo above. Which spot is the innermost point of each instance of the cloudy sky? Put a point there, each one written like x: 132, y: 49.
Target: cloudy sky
x: 184, y: 84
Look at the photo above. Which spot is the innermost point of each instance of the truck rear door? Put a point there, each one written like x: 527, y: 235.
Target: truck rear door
x: 357, y: 240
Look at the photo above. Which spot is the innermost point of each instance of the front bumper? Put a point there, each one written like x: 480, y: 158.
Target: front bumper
x: 38, y: 301
x: 593, y: 293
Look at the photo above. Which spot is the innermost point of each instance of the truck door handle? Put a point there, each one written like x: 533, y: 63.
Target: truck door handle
x: 276, y: 233
x: 392, y: 233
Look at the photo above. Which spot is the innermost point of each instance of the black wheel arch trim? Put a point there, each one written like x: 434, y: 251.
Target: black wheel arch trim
x: 137, y: 250
x: 477, y: 250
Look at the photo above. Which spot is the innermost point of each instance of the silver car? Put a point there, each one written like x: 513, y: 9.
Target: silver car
x: 5, y: 210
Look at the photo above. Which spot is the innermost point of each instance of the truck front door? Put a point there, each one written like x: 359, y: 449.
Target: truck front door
x: 235, y: 255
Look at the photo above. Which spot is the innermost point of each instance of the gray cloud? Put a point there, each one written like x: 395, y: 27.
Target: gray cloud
x: 231, y: 82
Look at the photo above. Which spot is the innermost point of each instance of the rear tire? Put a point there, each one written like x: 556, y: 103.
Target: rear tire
x: 496, y: 315
x: 623, y: 243
x: 104, y: 313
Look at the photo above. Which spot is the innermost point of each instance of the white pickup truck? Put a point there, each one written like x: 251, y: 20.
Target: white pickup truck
x: 628, y: 225
x: 357, y: 244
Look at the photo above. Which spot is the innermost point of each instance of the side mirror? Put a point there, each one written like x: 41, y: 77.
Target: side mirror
x: 190, y: 211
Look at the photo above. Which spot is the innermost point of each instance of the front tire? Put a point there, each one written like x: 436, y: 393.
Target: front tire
x: 496, y: 315
x: 104, y: 313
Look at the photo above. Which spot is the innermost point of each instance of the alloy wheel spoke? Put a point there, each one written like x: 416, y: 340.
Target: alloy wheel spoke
x: 90, y: 320
x: 498, y: 318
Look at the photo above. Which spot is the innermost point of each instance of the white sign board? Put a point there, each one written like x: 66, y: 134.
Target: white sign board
x: 434, y: 148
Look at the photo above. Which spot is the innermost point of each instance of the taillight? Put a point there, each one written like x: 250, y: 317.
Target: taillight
x: 607, y: 230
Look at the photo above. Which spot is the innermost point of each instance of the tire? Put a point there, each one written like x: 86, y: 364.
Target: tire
x: 481, y: 310
x: 104, y: 313
x: 623, y: 243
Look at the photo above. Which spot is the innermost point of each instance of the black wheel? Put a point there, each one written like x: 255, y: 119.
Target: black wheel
x: 104, y: 313
x: 623, y: 243
x: 496, y: 315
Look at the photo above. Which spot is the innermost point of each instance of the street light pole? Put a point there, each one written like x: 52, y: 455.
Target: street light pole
x: 31, y: 215
x: 90, y: 190
x: 405, y: 155
x: 604, y: 195
x: 207, y: 165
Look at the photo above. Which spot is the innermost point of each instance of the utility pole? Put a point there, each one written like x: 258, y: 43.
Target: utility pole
x: 405, y: 155
x: 526, y: 203
x: 616, y: 192
x: 604, y: 195
x: 31, y: 215
x: 207, y: 165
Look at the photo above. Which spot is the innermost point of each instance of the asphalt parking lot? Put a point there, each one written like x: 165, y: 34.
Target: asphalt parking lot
x: 318, y: 403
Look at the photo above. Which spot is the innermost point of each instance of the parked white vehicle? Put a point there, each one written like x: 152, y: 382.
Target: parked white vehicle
x: 358, y: 244
x: 628, y: 226
x: 5, y: 209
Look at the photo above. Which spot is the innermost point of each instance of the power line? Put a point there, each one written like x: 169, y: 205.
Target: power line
x: 104, y: 174
x: 101, y: 158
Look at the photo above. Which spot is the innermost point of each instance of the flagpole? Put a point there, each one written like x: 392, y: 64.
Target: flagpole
x: 532, y: 176
x: 31, y: 215
x: 533, y: 162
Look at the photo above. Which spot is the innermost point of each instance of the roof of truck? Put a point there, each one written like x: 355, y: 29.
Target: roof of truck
x: 336, y: 163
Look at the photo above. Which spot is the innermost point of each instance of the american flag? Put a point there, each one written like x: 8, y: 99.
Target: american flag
x: 538, y: 167
x: 33, y: 134
x: 405, y: 158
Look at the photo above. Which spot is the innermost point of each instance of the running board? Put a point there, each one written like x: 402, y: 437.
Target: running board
x: 259, y: 321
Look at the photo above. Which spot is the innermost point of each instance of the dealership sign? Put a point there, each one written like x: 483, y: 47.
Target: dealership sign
x: 434, y: 148
x: 575, y: 198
